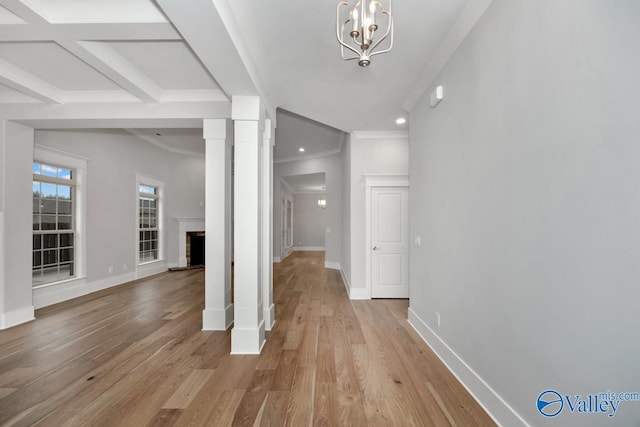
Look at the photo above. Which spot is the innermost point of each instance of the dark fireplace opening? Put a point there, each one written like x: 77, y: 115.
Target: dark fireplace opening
x: 195, y: 248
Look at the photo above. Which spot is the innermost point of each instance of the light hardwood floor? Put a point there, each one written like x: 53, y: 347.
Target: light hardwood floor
x: 135, y: 355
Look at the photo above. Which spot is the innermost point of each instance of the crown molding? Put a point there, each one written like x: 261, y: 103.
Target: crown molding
x: 381, y: 134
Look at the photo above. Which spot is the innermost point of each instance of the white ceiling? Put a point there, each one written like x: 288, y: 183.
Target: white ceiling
x: 295, y: 44
x: 167, y: 64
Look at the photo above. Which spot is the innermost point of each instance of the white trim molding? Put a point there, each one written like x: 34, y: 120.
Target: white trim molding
x: 17, y: 317
x: 186, y: 225
x: 308, y: 248
x: 381, y: 134
x: 308, y: 156
x: 332, y: 265
x: 44, y: 296
x: 501, y: 412
x: 79, y: 164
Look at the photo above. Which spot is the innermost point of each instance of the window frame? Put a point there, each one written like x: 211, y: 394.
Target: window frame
x: 145, y: 180
x: 78, y: 166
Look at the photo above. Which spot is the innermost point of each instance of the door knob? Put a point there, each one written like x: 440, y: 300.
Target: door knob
x: 375, y: 248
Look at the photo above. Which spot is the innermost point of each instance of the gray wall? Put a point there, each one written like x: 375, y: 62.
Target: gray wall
x: 308, y: 221
x: 379, y: 153
x: 332, y: 168
x: 524, y: 188
x: 114, y: 159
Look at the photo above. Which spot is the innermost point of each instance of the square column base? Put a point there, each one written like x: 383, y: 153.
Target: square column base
x: 247, y: 341
x: 217, y: 319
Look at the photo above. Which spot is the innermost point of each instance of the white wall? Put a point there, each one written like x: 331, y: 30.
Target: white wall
x: 16, y: 159
x: 331, y: 166
x: 524, y: 188
x: 370, y: 153
x: 308, y: 221
x: 114, y: 159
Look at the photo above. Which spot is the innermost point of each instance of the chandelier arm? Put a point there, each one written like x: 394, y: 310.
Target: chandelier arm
x: 384, y: 37
x: 347, y: 59
x: 385, y: 50
x: 338, y: 31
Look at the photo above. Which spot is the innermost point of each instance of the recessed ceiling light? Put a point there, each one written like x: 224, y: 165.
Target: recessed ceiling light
x: 401, y: 121
x: 301, y: 149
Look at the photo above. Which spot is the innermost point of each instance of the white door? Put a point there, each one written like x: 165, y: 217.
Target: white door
x: 389, y: 242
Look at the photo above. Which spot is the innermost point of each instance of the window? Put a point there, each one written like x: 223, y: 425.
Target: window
x: 54, y: 232
x: 148, y: 223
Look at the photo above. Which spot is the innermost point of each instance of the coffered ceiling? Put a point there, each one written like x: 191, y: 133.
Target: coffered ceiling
x: 167, y: 64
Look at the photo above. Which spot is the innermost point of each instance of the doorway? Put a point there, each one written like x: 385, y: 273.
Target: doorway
x: 387, y: 222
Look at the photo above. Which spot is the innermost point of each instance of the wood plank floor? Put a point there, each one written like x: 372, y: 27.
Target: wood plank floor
x: 135, y: 356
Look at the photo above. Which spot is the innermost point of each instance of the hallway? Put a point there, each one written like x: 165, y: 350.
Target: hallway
x: 134, y: 355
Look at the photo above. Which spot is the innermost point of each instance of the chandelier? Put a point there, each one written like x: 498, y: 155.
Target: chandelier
x: 362, y: 24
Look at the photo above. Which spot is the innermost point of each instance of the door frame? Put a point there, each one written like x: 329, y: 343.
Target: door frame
x: 284, y: 249
x: 377, y: 181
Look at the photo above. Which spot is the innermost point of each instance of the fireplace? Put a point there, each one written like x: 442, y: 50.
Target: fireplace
x: 195, y: 248
x: 186, y: 226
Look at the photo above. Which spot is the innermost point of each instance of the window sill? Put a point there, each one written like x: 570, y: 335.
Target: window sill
x: 146, y: 263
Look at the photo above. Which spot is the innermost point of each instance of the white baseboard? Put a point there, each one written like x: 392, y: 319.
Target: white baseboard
x: 16, y: 317
x: 354, y: 294
x: 269, y: 317
x: 308, y: 248
x: 63, y: 291
x: 151, y: 268
x: 345, y: 280
x: 359, y: 293
x: 276, y: 259
x: 496, y: 407
x: 332, y: 265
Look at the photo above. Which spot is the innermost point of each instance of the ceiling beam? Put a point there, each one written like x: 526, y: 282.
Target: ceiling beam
x: 209, y: 27
x: 89, y: 32
x: 110, y: 63
x: 28, y: 84
x: 24, y: 12
x: 117, y: 111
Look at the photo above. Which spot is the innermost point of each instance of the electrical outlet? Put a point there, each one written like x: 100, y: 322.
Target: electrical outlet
x: 417, y: 241
x: 438, y: 318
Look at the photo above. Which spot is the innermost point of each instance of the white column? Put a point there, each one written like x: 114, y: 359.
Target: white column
x: 218, y: 309
x: 16, y: 195
x: 267, y: 225
x: 247, y: 335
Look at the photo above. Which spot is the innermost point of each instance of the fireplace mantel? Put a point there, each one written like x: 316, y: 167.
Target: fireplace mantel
x: 186, y: 225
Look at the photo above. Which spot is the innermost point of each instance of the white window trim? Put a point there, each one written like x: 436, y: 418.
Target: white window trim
x: 79, y: 164
x: 142, y: 179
